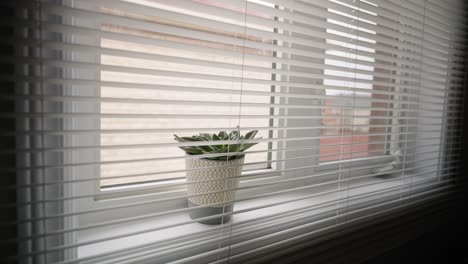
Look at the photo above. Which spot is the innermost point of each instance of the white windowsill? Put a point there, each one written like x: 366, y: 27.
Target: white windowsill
x: 192, y: 228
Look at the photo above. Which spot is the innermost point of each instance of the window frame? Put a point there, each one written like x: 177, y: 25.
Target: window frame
x: 249, y: 170
x: 139, y: 194
x: 135, y: 192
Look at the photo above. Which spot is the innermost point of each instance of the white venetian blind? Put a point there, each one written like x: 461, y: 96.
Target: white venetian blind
x: 357, y: 104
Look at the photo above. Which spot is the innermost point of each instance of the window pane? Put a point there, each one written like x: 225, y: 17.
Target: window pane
x: 347, y: 114
x: 176, y: 96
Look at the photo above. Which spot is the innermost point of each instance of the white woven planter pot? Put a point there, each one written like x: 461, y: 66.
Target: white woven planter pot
x: 212, y: 176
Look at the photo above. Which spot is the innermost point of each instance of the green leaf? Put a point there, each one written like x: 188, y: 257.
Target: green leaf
x: 206, y: 136
x: 199, y: 138
x: 233, y: 148
x: 191, y: 150
x: 216, y: 138
x: 234, y: 135
x: 223, y: 135
x: 247, y: 146
x: 236, y: 143
x: 185, y: 139
x: 251, y: 134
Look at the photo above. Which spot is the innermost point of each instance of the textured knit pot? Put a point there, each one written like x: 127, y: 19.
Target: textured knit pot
x: 212, y: 176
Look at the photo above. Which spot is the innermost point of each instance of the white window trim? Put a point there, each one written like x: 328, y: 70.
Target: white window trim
x: 142, y: 194
x: 151, y: 237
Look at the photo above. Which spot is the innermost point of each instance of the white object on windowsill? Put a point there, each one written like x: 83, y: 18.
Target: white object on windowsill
x: 395, y: 164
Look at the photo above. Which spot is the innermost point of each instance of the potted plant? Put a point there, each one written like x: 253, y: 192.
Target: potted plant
x: 217, y: 175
